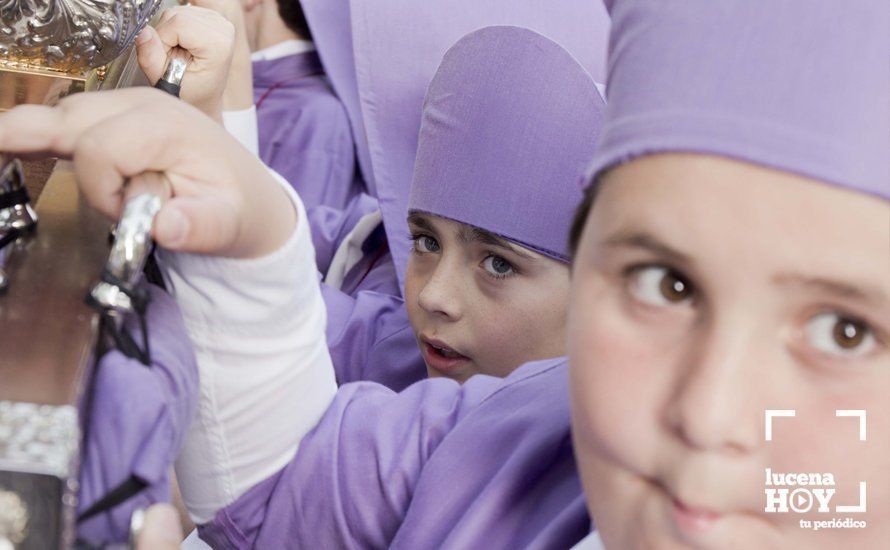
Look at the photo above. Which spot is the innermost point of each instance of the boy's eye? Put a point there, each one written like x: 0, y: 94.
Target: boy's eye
x: 497, y: 266
x: 425, y: 243
x: 839, y: 335
x: 660, y: 286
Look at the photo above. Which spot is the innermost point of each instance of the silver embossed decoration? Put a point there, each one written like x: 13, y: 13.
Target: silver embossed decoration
x: 71, y: 36
x: 38, y: 438
x: 13, y: 518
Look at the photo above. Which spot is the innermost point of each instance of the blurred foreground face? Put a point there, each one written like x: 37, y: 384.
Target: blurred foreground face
x: 706, y: 291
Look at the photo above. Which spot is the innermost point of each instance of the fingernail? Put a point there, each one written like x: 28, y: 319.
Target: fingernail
x: 172, y: 228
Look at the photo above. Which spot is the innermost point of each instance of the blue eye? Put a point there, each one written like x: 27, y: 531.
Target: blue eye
x: 425, y: 243
x: 498, y: 267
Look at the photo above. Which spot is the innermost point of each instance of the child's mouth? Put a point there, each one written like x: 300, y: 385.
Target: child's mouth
x: 445, y: 352
x: 442, y: 358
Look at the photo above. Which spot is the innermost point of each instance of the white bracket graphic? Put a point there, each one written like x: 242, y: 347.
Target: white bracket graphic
x: 858, y: 509
x: 770, y: 413
x: 857, y: 413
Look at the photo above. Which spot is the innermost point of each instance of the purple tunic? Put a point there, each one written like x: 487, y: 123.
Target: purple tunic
x: 138, y: 421
x: 370, y: 339
x: 367, y: 331
x: 438, y: 465
x: 304, y: 133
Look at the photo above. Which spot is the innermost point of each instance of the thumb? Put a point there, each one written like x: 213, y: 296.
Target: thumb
x: 203, y: 225
x: 162, y: 529
x: 151, y: 53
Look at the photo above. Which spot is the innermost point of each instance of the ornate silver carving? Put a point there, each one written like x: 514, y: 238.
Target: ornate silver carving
x: 18, y: 216
x: 13, y: 518
x: 39, y: 439
x: 71, y: 36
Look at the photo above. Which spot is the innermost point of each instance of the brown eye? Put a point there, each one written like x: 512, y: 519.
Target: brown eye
x: 673, y: 288
x: 660, y: 286
x: 849, y: 334
x: 839, y: 334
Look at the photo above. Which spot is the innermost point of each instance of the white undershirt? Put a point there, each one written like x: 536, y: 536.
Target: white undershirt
x: 283, y: 49
x: 350, y: 252
x: 242, y: 125
x: 258, y: 329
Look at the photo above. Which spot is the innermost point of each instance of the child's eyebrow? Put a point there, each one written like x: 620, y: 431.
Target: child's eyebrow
x: 475, y: 234
x: 861, y: 293
x: 650, y: 243
x: 420, y: 221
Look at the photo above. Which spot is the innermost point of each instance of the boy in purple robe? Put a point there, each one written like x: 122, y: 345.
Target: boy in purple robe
x: 381, y: 56
x: 731, y: 301
x: 370, y: 333
x: 477, y: 279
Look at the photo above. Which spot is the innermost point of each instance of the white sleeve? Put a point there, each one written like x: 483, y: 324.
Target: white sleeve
x: 242, y: 125
x: 258, y: 328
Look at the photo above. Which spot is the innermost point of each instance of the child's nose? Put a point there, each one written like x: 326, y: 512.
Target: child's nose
x: 718, y: 394
x: 442, y: 295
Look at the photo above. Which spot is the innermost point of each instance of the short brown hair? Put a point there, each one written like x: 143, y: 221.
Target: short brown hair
x: 580, y: 218
x: 292, y: 14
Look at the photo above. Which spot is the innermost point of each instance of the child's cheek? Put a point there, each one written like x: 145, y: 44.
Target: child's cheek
x: 620, y: 379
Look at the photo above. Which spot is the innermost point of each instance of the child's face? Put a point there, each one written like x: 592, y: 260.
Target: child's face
x: 489, y: 303
x: 706, y: 291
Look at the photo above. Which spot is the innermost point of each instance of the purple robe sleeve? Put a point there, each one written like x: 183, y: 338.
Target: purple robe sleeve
x: 488, y: 464
x: 138, y: 420
x: 370, y: 339
x: 353, y: 476
x: 330, y: 226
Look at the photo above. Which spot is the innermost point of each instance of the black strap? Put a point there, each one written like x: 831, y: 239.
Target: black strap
x: 152, y: 272
x: 123, y: 492
x: 172, y: 89
x: 9, y: 236
x: 15, y: 197
x: 122, y: 339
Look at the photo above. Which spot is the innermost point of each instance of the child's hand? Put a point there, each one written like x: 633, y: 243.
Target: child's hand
x: 222, y: 200
x: 239, y: 86
x: 208, y: 37
x: 161, y: 530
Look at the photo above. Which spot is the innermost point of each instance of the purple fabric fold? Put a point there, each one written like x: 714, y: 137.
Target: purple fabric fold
x: 304, y: 133
x: 331, y: 25
x: 510, y: 121
x: 398, y: 45
x: 138, y: 421
x: 790, y: 84
x: 439, y: 465
x: 370, y: 339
